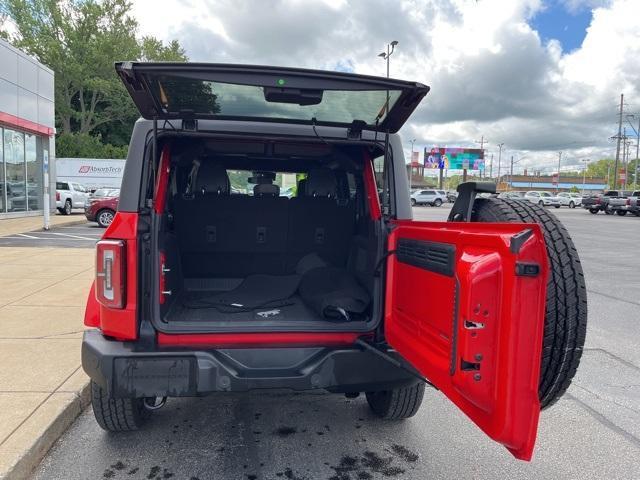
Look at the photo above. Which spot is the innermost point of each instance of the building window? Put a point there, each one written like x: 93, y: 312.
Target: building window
x: 15, y: 176
x: 21, y: 174
x: 3, y: 190
x: 34, y: 171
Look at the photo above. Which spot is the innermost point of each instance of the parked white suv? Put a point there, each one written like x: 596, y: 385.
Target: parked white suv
x: 544, y: 199
x: 70, y: 195
x: 435, y: 198
x: 570, y: 199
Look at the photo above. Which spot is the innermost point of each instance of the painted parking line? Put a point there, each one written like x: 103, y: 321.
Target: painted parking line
x: 71, y: 236
x: 24, y: 235
x: 46, y: 238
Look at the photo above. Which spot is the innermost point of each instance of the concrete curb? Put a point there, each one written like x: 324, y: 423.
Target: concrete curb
x: 34, y: 453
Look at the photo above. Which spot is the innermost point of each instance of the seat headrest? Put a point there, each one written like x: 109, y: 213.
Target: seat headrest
x: 302, y: 187
x: 321, y: 182
x: 212, y: 178
x: 266, y: 190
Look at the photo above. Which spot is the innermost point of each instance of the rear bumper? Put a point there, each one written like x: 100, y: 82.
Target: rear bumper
x: 125, y: 370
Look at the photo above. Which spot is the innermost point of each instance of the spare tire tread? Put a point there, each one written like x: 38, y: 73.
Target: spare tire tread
x: 566, y: 305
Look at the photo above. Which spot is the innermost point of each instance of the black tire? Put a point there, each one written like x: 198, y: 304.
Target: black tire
x: 608, y: 211
x: 593, y: 210
x: 437, y: 202
x: 541, y: 203
x: 66, y: 210
x: 565, y: 323
x: 572, y: 205
x: 413, y: 202
x: 397, y: 404
x: 117, y: 414
x: 622, y: 213
x: 104, y: 217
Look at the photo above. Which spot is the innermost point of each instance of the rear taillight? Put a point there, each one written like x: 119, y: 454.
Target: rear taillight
x: 598, y: 200
x: 111, y: 273
x: 57, y: 196
x: 628, y: 201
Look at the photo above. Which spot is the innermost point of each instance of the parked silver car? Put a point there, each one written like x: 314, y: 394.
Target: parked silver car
x: 435, y: 198
x: 544, y: 199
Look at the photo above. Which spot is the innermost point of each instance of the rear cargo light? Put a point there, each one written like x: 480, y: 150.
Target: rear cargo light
x: 57, y: 196
x: 111, y: 273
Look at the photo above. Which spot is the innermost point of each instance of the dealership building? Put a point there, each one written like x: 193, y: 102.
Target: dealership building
x: 27, y: 142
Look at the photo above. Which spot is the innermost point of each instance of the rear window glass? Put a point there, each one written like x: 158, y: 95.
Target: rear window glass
x: 62, y: 186
x: 177, y: 94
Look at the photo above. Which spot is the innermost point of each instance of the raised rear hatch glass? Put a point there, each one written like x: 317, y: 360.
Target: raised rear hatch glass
x: 286, y: 95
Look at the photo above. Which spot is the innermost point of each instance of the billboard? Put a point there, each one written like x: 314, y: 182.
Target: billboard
x: 454, y: 158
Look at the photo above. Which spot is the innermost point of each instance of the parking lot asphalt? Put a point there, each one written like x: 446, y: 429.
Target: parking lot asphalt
x: 593, y: 432
x: 81, y: 235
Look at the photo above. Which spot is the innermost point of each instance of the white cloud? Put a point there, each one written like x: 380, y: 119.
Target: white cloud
x: 489, y: 71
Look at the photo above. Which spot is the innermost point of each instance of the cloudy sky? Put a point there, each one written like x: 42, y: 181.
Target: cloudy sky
x: 539, y: 76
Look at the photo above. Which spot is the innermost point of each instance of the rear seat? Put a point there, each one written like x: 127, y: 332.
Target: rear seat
x: 225, y: 235
x: 319, y: 221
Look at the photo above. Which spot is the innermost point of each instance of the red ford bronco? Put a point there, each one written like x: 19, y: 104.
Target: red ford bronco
x: 213, y: 278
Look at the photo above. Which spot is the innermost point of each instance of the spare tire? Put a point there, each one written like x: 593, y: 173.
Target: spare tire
x: 565, y: 323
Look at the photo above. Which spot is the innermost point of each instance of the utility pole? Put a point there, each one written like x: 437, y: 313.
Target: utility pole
x: 411, y: 165
x: 637, y: 132
x: 584, y: 173
x: 559, y: 161
x: 500, y: 145
x: 491, y: 167
x: 625, y: 155
x: 481, y: 142
x: 511, y: 173
x: 615, y: 169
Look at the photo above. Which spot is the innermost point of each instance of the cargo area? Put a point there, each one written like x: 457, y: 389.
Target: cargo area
x: 275, y: 237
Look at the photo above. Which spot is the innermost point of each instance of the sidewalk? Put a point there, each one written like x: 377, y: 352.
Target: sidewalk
x: 42, y: 386
x: 11, y: 226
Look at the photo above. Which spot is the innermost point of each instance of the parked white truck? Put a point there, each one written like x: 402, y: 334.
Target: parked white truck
x: 70, y: 195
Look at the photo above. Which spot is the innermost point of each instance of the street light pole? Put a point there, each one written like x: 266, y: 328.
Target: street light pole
x: 500, y: 145
x: 386, y: 55
x: 584, y: 173
x: 559, y: 161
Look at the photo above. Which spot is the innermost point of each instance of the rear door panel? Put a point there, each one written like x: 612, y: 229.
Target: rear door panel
x: 458, y: 312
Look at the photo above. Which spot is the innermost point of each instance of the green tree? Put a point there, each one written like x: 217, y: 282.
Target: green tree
x: 83, y: 145
x: 602, y: 169
x: 79, y: 41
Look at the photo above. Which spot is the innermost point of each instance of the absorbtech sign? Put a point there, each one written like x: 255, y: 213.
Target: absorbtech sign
x: 90, y: 172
